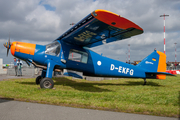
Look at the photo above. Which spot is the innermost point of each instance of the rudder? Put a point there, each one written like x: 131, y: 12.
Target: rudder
x: 161, y: 65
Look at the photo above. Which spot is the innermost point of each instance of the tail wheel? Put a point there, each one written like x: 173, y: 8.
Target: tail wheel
x: 47, y: 83
x: 38, y: 79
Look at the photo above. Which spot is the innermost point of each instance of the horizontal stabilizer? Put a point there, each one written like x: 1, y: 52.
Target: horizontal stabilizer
x: 154, y: 75
x: 160, y: 73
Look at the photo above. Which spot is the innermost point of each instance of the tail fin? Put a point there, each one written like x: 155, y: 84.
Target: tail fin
x: 155, y: 64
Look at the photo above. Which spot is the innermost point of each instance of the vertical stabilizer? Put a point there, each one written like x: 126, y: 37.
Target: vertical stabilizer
x: 154, y: 63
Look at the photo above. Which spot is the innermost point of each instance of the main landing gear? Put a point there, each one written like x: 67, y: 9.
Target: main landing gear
x: 46, y: 82
x: 44, y: 79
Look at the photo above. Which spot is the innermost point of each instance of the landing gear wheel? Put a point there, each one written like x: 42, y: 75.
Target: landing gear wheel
x: 38, y: 79
x: 47, y: 83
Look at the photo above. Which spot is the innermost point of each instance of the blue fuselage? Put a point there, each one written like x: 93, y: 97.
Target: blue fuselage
x: 92, y: 64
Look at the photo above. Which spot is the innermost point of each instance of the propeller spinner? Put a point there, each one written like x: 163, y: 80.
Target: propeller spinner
x: 7, y: 45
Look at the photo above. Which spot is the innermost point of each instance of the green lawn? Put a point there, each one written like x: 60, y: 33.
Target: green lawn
x: 158, y: 97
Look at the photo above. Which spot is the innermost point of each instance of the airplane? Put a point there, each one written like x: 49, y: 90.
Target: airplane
x: 71, y: 51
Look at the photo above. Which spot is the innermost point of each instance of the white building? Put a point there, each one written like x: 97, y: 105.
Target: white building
x: 2, y: 71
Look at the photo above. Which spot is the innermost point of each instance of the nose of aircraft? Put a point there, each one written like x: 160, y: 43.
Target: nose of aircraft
x: 20, y: 49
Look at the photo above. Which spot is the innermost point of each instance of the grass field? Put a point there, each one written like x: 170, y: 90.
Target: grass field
x: 158, y: 97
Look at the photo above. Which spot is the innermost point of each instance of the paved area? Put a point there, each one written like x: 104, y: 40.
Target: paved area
x: 14, y: 110
x: 2, y: 77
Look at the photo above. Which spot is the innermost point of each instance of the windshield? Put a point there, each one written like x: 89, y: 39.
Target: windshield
x: 53, y: 48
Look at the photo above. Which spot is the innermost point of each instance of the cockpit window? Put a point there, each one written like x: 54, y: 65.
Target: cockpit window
x: 53, y: 48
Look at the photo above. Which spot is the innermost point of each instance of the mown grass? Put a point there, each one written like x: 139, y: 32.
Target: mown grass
x: 158, y: 97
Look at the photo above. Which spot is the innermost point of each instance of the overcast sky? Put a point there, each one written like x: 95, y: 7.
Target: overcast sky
x: 42, y: 21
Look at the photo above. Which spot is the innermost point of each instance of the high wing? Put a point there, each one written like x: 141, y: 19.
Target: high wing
x: 100, y: 27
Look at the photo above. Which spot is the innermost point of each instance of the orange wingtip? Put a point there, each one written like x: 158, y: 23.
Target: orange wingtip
x: 113, y: 19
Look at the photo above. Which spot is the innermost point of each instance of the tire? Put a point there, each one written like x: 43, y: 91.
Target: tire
x: 47, y: 83
x: 38, y: 79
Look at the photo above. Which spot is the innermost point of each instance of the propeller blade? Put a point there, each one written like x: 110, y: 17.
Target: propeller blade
x: 8, y: 45
x: 7, y: 51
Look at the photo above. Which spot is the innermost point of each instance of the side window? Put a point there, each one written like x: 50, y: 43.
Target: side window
x: 78, y: 56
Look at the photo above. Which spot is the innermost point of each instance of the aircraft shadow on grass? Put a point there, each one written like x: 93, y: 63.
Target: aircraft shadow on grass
x: 92, y: 87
